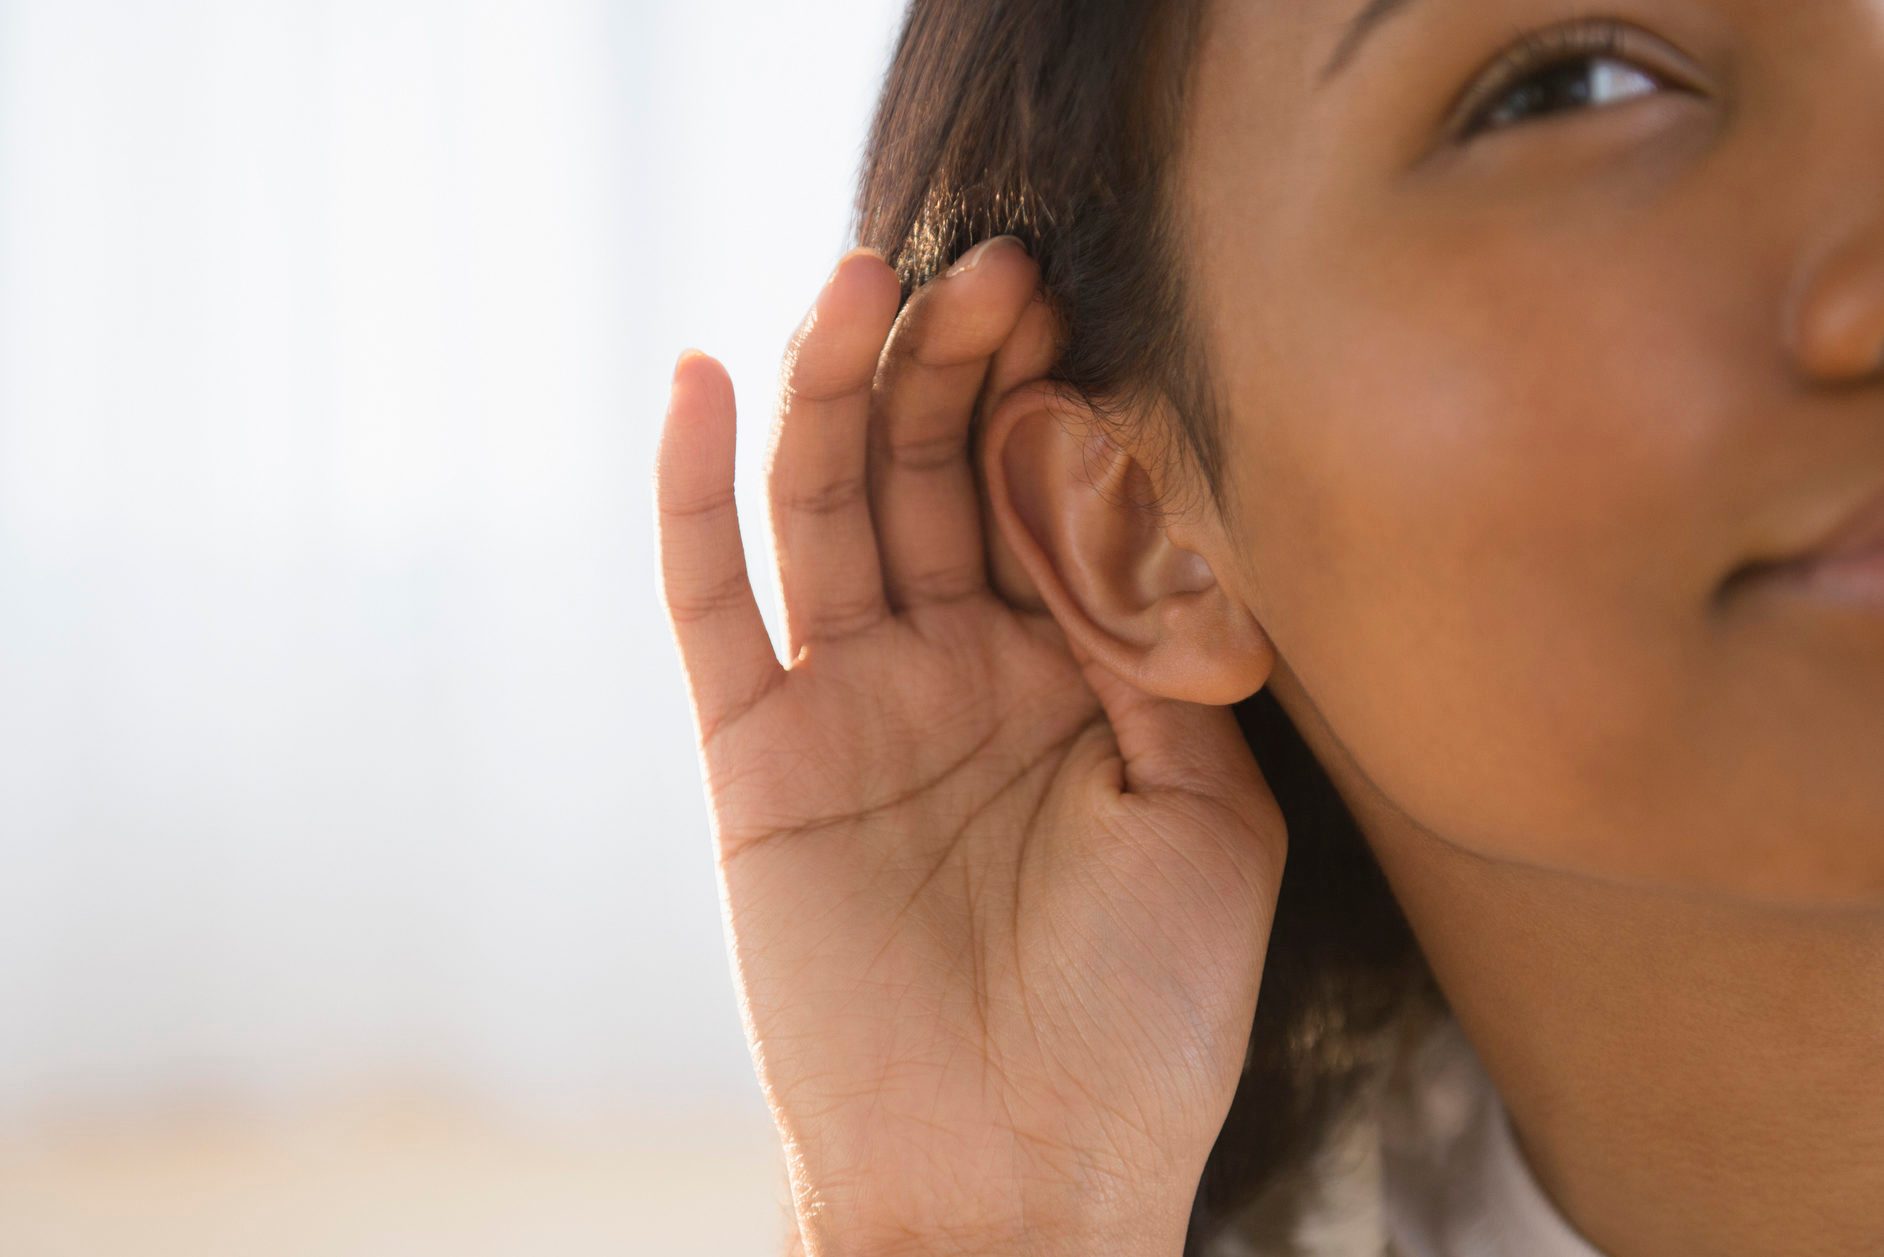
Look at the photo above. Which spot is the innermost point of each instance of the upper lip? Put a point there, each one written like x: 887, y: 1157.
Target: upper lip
x: 1858, y: 531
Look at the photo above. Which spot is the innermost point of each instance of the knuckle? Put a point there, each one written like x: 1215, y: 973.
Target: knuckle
x: 844, y: 616
x: 827, y: 499
x: 675, y: 507
x: 940, y: 584
x: 927, y: 453
x: 814, y: 373
x: 693, y: 606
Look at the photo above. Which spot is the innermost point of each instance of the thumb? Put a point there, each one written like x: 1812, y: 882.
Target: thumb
x: 1192, y: 764
x: 1170, y: 744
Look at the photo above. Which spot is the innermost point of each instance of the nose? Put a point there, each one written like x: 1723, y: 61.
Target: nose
x: 1836, y: 332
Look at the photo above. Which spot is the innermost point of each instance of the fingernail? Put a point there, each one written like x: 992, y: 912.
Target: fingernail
x: 968, y: 260
x: 864, y: 248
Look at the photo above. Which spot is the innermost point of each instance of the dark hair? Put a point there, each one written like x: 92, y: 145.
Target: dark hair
x: 1058, y: 121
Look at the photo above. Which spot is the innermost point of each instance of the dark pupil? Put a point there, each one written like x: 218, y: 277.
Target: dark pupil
x: 1566, y: 83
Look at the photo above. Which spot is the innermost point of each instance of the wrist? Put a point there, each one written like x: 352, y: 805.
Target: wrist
x: 998, y: 1207
x: 1141, y: 1235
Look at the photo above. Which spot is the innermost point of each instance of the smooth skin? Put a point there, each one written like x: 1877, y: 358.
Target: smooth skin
x: 997, y: 917
x: 1507, y: 414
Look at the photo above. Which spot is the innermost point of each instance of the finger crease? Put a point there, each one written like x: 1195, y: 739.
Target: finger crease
x: 837, y: 496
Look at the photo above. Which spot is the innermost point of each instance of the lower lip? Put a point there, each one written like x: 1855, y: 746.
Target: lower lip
x: 1855, y: 579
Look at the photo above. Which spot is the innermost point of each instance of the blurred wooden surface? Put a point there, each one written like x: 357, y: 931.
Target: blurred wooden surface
x: 398, y: 1178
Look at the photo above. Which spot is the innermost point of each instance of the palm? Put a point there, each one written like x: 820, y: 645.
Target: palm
x: 976, y: 973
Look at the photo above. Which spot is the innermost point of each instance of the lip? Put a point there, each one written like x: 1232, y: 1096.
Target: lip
x: 1846, y: 565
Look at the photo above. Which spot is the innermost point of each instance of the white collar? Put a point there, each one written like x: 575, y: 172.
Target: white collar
x: 1454, y: 1180
x: 1426, y: 1165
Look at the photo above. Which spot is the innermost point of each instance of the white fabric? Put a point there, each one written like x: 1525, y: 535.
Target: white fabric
x: 1453, y: 1179
x: 1427, y: 1167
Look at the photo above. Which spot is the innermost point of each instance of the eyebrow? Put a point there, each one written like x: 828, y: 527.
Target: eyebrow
x: 1363, y: 24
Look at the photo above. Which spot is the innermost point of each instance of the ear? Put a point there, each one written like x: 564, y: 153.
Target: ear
x: 1137, y: 590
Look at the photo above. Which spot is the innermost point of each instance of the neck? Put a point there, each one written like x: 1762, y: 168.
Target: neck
x: 1685, y: 1077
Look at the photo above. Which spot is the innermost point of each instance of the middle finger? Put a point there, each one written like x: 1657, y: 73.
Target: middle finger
x: 922, y: 485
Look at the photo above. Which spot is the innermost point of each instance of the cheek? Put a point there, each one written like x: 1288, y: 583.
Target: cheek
x: 1489, y: 513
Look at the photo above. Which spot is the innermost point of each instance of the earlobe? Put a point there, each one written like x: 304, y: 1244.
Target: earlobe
x: 1136, y: 589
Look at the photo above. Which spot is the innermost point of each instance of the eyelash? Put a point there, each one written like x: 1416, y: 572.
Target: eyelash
x: 1543, y: 51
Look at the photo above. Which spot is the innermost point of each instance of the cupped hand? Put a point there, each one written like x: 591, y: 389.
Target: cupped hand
x: 997, y: 918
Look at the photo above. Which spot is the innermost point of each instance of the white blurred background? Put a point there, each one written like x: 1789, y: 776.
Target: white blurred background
x: 356, y: 892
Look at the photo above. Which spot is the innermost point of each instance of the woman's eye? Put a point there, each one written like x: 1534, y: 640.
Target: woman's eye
x: 1589, y: 79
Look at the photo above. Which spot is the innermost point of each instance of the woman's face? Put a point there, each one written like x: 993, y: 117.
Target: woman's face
x: 1508, y: 410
